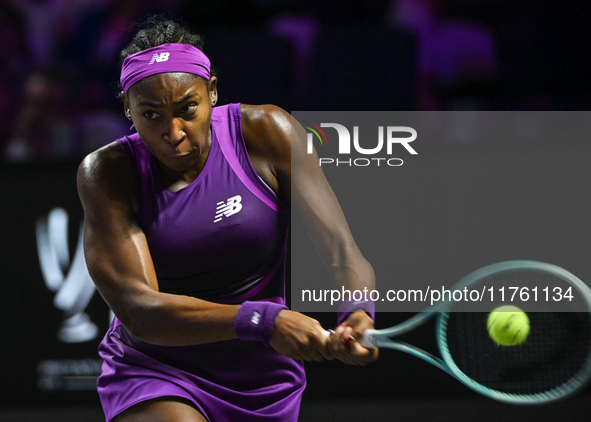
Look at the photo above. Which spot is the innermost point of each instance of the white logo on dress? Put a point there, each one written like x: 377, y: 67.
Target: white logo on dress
x: 228, y: 208
x: 162, y: 57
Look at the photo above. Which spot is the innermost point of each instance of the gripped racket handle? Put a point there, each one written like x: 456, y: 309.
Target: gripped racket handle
x: 368, y: 340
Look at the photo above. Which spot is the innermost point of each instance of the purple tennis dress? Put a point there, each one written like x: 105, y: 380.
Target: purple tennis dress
x: 223, y: 238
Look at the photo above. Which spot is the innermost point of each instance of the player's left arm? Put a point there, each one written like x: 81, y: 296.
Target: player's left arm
x: 277, y: 147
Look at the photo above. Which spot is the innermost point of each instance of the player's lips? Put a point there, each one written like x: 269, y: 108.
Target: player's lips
x: 177, y: 155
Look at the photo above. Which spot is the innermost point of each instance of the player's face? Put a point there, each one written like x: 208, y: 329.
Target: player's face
x: 172, y: 114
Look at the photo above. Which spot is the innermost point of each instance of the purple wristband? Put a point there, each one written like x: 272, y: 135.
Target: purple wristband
x: 348, y: 307
x: 256, y: 320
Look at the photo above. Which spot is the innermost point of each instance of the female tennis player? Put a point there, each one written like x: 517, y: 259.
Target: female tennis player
x: 185, y: 237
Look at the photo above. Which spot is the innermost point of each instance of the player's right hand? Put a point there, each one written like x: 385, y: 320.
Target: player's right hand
x: 343, y: 342
x: 298, y: 336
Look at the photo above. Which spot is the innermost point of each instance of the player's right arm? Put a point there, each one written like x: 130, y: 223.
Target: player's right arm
x: 120, y: 264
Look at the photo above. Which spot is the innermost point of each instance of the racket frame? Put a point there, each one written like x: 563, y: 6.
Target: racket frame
x: 441, y: 311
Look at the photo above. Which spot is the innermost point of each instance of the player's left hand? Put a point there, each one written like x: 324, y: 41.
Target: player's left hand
x: 344, y: 344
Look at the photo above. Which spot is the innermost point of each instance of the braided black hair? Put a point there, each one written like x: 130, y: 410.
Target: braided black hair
x: 158, y: 30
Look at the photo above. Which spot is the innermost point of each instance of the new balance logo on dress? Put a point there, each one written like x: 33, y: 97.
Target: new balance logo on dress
x: 162, y: 57
x: 228, y: 208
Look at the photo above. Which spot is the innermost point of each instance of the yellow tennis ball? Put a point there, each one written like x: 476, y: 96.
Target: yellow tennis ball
x: 508, y: 325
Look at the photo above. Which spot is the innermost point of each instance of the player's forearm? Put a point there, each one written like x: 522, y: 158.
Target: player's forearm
x: 357, y: 276
x: 132, y: 293
x: 349, y: 269
x: 336, y: 247
x: 175, y: 320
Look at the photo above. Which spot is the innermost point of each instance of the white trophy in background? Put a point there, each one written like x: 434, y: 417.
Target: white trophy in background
x: 69, y: 279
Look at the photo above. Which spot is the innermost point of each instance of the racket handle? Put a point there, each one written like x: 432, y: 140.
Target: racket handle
x: 368, y: 340
x: 328, y: 333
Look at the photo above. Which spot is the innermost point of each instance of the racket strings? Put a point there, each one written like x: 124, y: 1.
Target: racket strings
x: 556, y: 349
x: 558, y: 345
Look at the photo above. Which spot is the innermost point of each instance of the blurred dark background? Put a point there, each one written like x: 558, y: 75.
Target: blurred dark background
x: 59, y: 70
x: 60, y: 60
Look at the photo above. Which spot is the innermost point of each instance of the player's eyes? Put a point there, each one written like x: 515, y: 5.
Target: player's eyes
x: 151, y: 115
x: 189, y: 108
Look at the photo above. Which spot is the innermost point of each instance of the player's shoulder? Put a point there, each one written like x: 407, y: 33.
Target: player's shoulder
x: 266, y: 126
x: 107, y: 167
x: 266, y: 114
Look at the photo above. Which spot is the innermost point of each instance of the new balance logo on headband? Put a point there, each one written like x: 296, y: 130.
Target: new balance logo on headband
x: 162, y: 57
x: 230, y: 207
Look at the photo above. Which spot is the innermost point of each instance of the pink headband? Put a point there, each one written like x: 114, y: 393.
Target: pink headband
x: 163, y: 59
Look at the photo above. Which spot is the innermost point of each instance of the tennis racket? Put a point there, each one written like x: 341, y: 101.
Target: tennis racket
x: 551, y: 364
